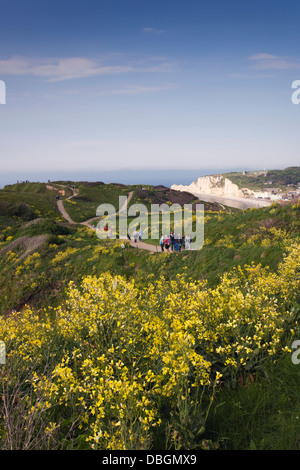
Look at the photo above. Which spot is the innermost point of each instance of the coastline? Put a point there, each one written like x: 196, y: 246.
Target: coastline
x: 237, y: 203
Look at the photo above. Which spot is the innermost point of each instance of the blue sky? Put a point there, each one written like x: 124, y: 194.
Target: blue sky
x: 107, y: 85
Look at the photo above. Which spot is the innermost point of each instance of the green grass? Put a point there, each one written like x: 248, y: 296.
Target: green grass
x: 84, y: 206
x: 259, y: 415
x: 279, y: 178
x: 230, y: 241
x: 90, y: 195
x: 40, y: 200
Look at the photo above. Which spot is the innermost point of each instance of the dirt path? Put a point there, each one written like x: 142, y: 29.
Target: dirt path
x: 145, y: 246
x: 63, y: 211
x: 138, y: 244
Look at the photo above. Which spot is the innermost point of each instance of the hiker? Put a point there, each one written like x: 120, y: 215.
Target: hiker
x: 172, y: 241
x: 182, y: 242
x: 161, y: 241
x: 140, y: 234
x: 167, y: 242
x: 188, y: 242
x: 177, y: 242
x: 135, y: 235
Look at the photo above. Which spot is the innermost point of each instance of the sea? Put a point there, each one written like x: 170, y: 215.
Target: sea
x: 148, y: 176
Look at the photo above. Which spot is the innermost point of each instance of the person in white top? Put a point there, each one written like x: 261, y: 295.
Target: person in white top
x: 161, y: 241
x: 188, y: 242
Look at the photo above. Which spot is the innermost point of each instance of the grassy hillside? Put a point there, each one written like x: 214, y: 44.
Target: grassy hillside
x: 83, y: 206
x: 41, y: 201
x: 29, y: 249
x: 190, y: 350
x: 264, y: 180
x: 90, y: 196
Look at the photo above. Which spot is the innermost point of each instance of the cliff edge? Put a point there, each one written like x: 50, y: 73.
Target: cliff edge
x: 217, y: 185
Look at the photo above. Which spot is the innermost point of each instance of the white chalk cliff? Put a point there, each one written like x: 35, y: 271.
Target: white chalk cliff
x: 217, y: 185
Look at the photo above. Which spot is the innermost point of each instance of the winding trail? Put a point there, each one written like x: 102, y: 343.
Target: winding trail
x: 138, y: 244
x: 63, y: 211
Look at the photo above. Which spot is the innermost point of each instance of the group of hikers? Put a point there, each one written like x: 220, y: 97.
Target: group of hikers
x: 175, y: 242
x: 167, y: 243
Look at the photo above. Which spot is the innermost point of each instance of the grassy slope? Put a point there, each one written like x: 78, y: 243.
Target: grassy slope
x: 38, y: 257
x: 280, y: 179
x: 23, y: 278
x: 230, y: 240
x: 38, y: 199
x: 84, y: 206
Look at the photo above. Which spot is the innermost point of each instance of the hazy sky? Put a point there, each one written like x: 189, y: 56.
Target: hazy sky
x: 107, y: 84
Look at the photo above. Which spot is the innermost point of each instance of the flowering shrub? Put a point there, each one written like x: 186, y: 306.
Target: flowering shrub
x: 118, y: 361
x: 63, y: 255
